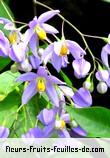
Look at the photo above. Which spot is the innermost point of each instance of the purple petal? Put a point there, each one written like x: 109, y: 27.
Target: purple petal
x: 33, y: 23
x: 65, y: 117
x: 10, y: 26
x: 29, y: 92
x: 17, y: 52
x: 42, y: 72
x: 47, y: 15
x: 80, y: 131
x: 54, y: 80
x: 3, y: 51
x: 82, y: 98
x: 81, y: 67
x: 4, y: 132
x: 33, y: 43
x: 27, y: 135
x: 36, y: 132
x: 4, y: 45
x: 67, y: 90
x: 76, y: 51
x: 64, y: 61
x: 49, y: 29
x: 56, y: 62
x: 102, y: 75
x: 27, y: 36
x: 46, y: 116
x: 49, y: 130
x: 104, y: 54
x: 29, y: 76
x: 4, y: 21
x: 57, y: 47
x: 63, y: 133
x: 52, y: 94
x: 47, y: 54
x: 35, y: 61
x: 108, y: 81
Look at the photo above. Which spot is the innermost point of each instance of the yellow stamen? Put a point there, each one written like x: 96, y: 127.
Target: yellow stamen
x: 63, y: 124
x: 64, y: 50
x: 60, y: 124
x: 40, y: 32
x: 12, y: 37
x: 41, y: 85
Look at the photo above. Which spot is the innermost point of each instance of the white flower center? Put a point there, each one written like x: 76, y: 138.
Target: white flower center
x: 60, y: 124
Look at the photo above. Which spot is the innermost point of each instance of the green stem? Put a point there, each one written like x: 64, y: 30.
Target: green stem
x: 91, y: 36
x: 28, y: 115
x: 20, y: 107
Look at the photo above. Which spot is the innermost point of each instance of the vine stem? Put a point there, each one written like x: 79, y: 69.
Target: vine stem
x: 74, y: 27
x: 97, y: 37
x: 35, y: 10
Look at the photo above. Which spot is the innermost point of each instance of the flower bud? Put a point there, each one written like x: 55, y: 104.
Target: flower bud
x: 74, y: 124
x: 14, y: 68
x: 87, y: 85
x: 40, y: 51
x: 102, y: 87
x: 25, y: 66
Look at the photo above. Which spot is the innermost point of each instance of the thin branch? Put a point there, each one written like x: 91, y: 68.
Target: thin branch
x: 74, y: 27
x: 35, y: 8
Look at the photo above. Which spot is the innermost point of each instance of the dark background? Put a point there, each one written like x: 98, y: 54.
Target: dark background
x: 89, y: 16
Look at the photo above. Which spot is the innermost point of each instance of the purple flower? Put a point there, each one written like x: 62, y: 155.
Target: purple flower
x: 34, y: 133
x: 18, y: 52
x: 55, y: 124
x: 82, y: 98
x: 38, y: 29
x: 104, y: 54
x: 57, y: 52
x: 35, y: 61
x: 40, y: 82
x: 4, y: 132
x: 8, y: 24
x: 4, y: 45
x: 102, y: 75
x: 39, y: 25
x: 81, y: 67
x: 47, y: 116
x: 79, y: 131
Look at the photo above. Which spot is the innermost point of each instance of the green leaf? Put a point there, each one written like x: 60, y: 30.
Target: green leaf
x: 8, y: 108
x: 8, y: 83
x: 5, y: 10
x: 4, y: 62
x: 6, y: 13
x: 26, y: 120
x: 66, y: 79
x: 95, y: 120
x: 108, y: 1
x: 27, y: 116
x: 7, y: 1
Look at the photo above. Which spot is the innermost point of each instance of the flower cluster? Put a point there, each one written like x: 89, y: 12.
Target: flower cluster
x: 31, y: 60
